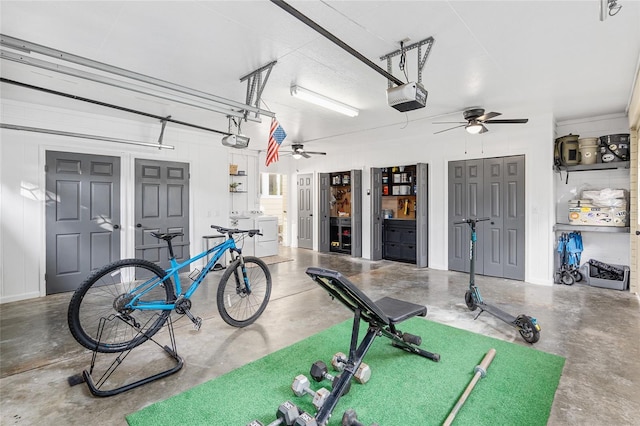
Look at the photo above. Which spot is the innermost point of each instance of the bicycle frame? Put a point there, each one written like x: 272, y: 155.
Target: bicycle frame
x: 216, y: 251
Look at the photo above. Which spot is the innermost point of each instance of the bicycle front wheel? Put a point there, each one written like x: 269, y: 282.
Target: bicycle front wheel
x: 241, y: 302
x: 97, y: 316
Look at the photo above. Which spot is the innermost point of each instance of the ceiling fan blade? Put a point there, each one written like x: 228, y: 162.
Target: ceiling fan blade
x: 488, y: 116
x: 509, y: 121
x: 483, y: 130
x: 304, y: 154
x: 451, y: 128
x: 316, y: 153
x: 449, y: 122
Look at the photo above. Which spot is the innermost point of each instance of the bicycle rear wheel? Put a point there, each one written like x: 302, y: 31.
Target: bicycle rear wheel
x: 238, y: 305
x: 97, y: 317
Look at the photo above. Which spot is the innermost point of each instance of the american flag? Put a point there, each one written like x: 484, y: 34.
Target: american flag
x: 276, y: 136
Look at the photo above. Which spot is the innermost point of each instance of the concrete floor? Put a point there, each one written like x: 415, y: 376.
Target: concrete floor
x: 596, y: 330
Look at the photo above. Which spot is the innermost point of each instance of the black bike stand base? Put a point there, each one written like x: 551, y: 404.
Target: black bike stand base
x: 96, y: 388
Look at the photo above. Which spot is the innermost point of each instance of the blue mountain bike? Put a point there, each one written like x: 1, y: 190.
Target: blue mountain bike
x: 124, y: 303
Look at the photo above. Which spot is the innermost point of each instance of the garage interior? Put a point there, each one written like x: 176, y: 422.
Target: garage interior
x: 194, y: 87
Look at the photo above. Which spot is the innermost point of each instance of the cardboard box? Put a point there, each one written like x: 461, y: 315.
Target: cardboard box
x: 584, y: 213
x: 233, y: 169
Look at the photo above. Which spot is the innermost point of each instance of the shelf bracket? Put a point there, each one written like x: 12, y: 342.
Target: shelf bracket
x: 256, y: 82
x: 422, y: 59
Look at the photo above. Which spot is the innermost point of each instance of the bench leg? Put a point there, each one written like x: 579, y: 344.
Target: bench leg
x: 350, y: 368
x: 398, y: 342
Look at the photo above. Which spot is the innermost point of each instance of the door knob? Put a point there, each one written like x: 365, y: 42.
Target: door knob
x: 138, y: 225
x: 116, y: 226
x: 637, y: 232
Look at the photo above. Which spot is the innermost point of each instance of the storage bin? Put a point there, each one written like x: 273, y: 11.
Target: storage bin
x: 604, y: 283
x: 233, y: 169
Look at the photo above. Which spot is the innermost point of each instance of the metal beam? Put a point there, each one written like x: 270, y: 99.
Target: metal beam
x: 23, y: 45
x: 81, y: 135
x: 104, y: 104
x: 422, y: 59
x: 304, y: 19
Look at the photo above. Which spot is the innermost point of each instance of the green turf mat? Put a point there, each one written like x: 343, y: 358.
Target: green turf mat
x: 405, y: 389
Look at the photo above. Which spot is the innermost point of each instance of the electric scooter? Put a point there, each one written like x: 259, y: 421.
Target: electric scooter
x: 527, y: 326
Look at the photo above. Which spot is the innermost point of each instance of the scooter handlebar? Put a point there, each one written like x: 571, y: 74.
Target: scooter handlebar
x: 475, y: 220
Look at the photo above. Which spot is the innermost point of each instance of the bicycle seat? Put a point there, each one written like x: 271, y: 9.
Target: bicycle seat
x: 168, y: 236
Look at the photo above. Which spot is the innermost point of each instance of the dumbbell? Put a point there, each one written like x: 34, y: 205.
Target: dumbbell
x: 286, y: 415
x: 320, y: 371
x: 305, y: 419
x: 300, y: 386
x: 362, y: 374
x: 350, y: 418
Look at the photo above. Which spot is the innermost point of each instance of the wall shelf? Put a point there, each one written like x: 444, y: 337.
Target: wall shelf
x: 587, y: 228
x: 598, y: 166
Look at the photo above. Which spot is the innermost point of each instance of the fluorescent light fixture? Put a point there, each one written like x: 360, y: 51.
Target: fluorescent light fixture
x: 323, y: 101
x: 296, y: 156
x: 475, y: 128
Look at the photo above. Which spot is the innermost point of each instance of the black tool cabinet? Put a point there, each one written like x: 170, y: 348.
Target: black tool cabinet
x: 400, y: 240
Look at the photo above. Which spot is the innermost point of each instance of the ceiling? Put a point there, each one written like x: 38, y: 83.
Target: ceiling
x: 520, y: 58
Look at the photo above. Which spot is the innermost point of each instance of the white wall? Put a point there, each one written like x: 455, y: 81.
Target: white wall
x: 415, y: 142
x: 22, y: 183
x: 22, y: 231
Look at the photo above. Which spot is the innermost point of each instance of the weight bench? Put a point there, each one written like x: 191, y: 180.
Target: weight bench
x: 382, y: 316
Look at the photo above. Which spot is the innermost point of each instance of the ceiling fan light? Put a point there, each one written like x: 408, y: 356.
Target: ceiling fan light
x: 474, y: 128
x: 296, y: 156
x: 323, y: 101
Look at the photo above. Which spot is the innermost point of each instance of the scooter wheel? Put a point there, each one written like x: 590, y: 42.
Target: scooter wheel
x: 529, y: 331
x: 468, y: 299
x: 567, y: 278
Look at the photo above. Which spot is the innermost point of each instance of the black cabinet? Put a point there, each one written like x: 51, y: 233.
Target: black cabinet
x: 340, y: 234
x: 399, y: 240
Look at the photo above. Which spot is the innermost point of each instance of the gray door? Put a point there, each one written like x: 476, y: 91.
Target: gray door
x: 513, y: 214
x: 162, y: 205
x: 376, y: 213
x: 356, y: 213
x: 492, y: 187
x: 305, y: 211
x: 82, y: 217
x: 324, y: 200
x: 465, y: 188
x: 458, y: 247
x: 422, y: 216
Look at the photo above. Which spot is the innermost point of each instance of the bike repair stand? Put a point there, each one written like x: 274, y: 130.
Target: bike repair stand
x: 527, y: 326
x: 95, y: 387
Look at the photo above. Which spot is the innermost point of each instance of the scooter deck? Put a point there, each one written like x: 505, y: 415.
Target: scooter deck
x: 498, y: 313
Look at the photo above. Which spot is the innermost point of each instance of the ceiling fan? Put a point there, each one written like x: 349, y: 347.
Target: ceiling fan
x: 476, y: 120
x: 298, y: 151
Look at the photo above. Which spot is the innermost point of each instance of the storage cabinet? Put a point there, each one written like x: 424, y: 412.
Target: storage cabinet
x: 400, y: 240
x: 399, y: 181
x: 601, y: 241
x: 561, y: 218
x: 340, y: 212
x: 340, y: 234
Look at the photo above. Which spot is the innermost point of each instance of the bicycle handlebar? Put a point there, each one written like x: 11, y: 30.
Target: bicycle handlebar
x: 476, y: 220
x: 231, y: 231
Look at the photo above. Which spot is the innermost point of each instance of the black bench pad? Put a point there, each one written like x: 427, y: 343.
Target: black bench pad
x: 399, y: 310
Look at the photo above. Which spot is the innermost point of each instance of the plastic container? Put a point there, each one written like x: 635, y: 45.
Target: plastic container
x: 604, y: 283
x: 588, y: 150
x: 614, y: 148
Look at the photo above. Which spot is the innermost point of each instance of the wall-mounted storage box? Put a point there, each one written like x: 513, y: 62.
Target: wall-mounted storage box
x: 233, y: 169
x: 581, y: 212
